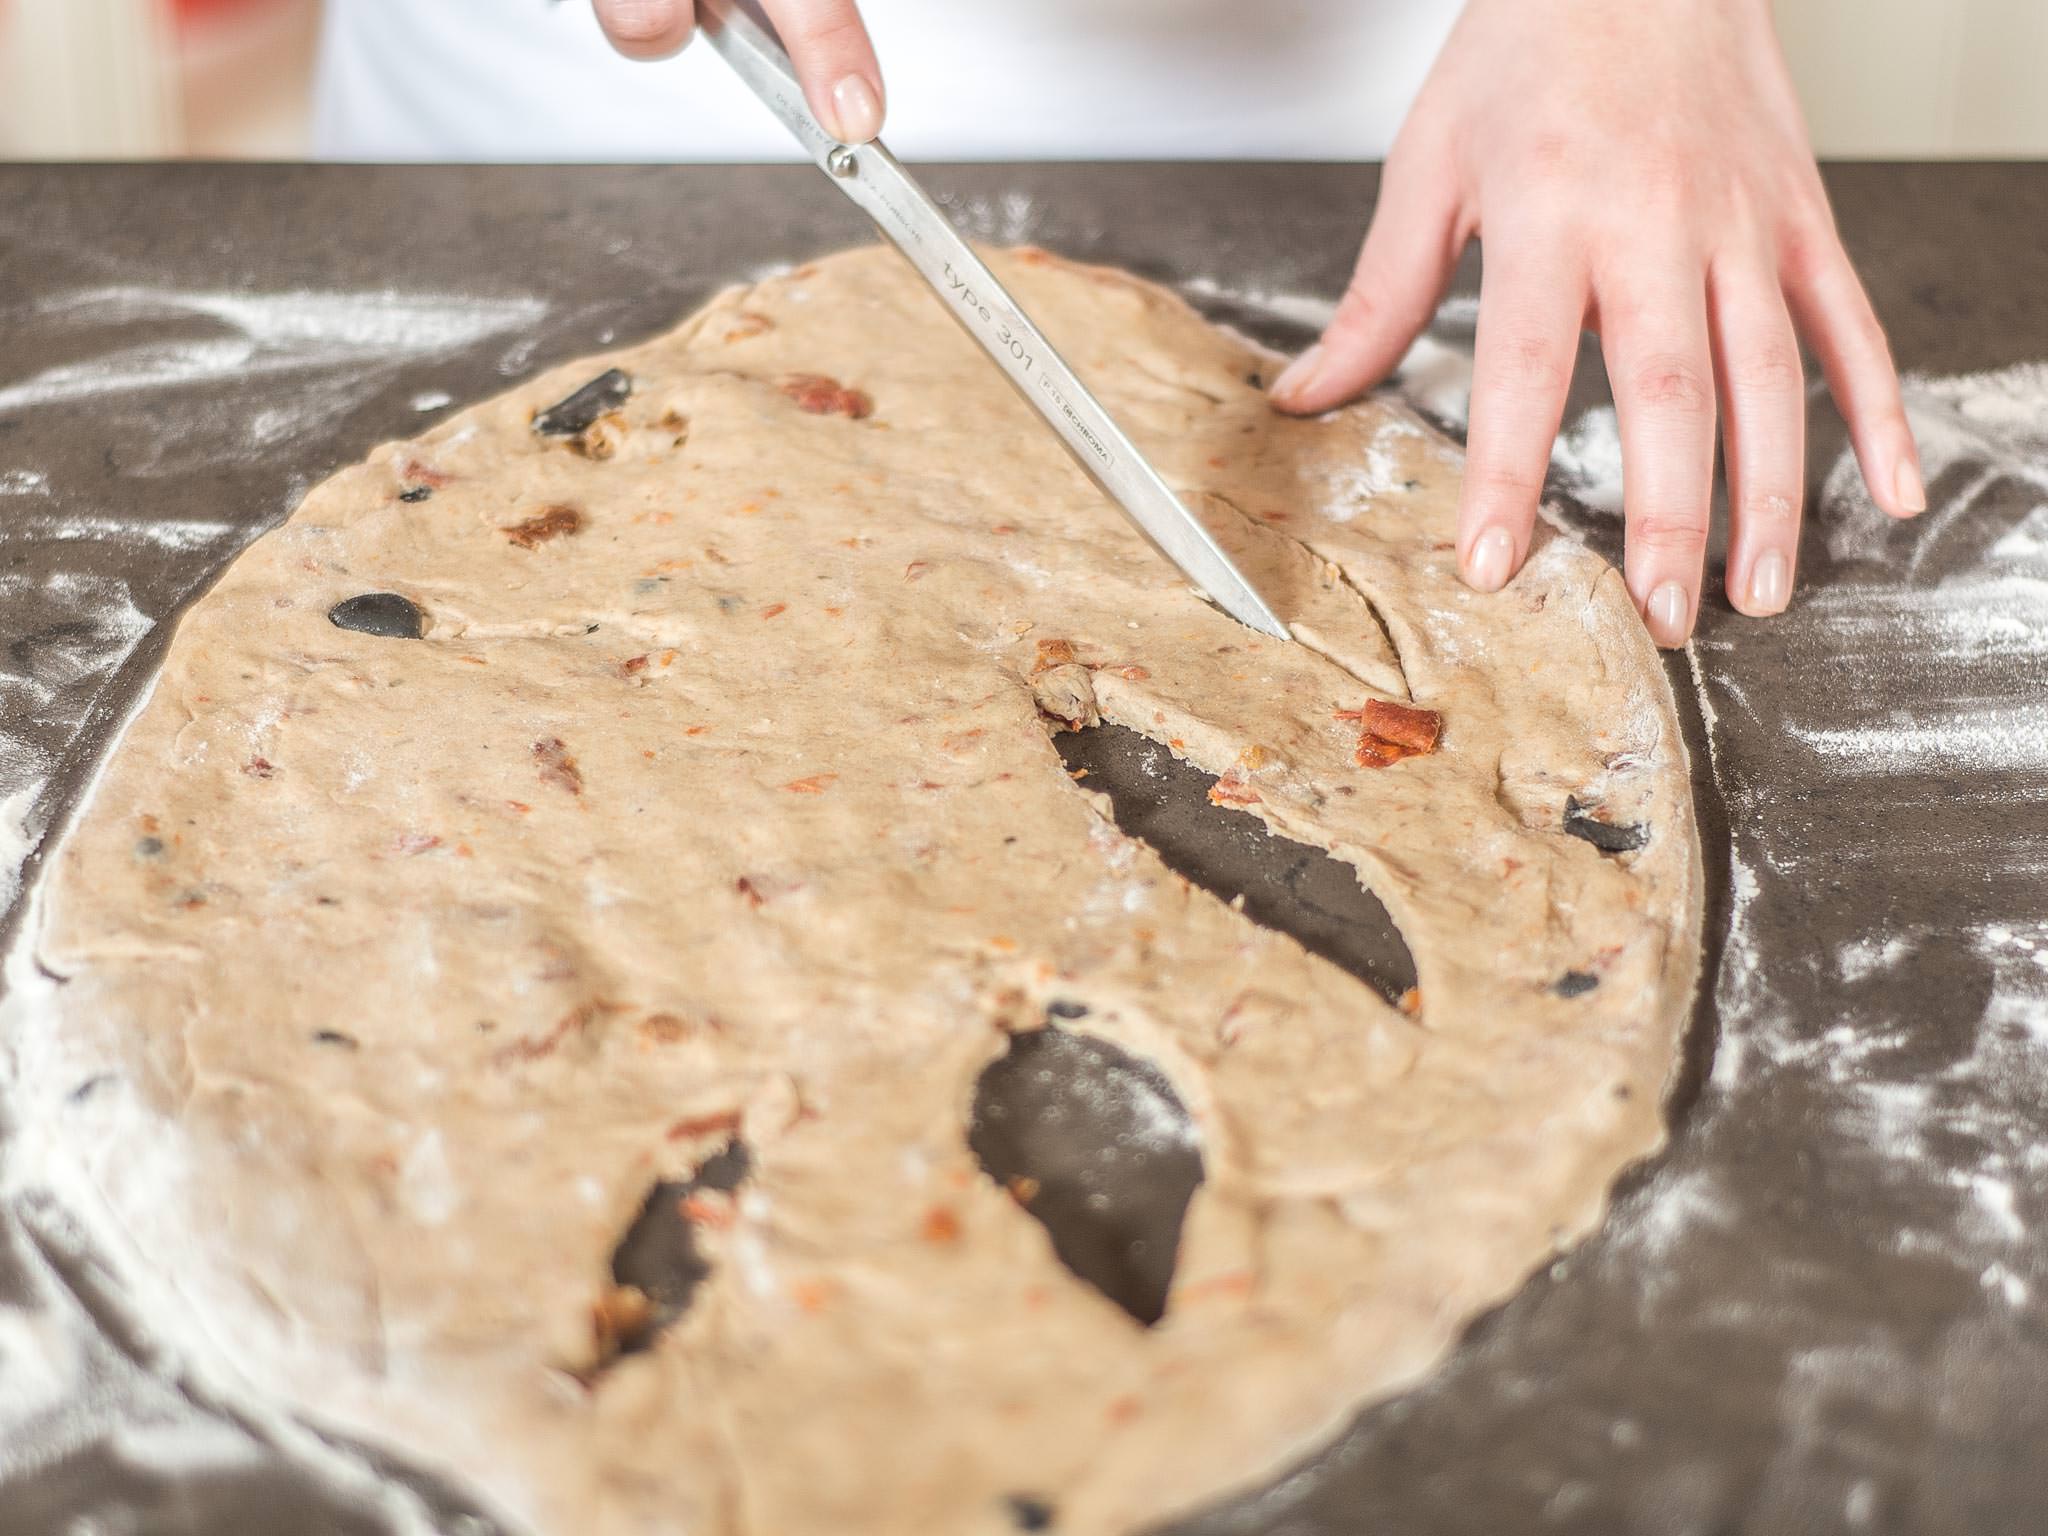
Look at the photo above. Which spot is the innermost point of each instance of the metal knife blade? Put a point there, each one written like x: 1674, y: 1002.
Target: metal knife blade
x: 877, y: 182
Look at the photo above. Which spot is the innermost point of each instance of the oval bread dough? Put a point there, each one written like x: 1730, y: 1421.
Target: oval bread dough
x: 718, y: 800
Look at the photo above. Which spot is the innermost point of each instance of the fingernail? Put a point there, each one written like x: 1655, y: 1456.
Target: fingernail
x: 1666, y: 613
x: 1490, y: 560
x: 1909, y: 488
x: 1770, y: 583
x: 1300, y: 374
x: 856, y: 111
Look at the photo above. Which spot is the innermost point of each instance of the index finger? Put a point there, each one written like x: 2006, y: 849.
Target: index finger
x: 828, y: 44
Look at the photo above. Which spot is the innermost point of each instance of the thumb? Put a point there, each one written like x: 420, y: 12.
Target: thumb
x: 1409, y: 255
x: 646, y: 29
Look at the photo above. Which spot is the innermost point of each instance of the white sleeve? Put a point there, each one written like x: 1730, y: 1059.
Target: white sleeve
x: 520, y: 80
x: 967, y: 79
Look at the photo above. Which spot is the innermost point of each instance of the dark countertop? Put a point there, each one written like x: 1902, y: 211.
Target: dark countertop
x: 1822, y: 1309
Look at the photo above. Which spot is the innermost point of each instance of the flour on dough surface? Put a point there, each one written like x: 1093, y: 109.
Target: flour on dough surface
x: 715, y: 808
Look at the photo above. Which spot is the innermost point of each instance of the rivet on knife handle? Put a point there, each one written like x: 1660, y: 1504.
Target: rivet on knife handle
x: 876, y: 181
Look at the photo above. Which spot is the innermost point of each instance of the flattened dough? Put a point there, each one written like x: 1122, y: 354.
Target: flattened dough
x: 717, y: 800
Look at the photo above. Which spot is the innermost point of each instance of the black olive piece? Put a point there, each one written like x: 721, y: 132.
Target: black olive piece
x: 1030, y: 1512
x: 576, y: 415
x: 149, y: 847
x: 1607, y: 836
x: 1108, y: 1150
x: 1575, y: 984
x: 334, y: 1037
x: 416, y: 493
x: 1062, y: 1009
x: 658, y: 1255
x: 379, y: 613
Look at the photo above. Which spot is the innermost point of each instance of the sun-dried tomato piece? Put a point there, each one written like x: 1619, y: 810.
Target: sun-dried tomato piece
x: 813, y: 1296
x: 1389, y: 732
x: 1373, y: 752
x: 602, y: 439
x: 705, y: 1125
x: 557, y: 767
x: 664, y: 1029
x: 822, y: 396
x: 1232, y: 790
x: 619, y: 1319
x: 534, y: 1048
x: 1402, y: 724
x: 547, y: 524
x: 709, y: 1208
x: 1053, y: 653
x: 1233, y: 1285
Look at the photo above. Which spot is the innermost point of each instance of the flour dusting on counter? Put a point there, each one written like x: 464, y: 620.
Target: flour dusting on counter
x: 1976, y: 432
x: 1940, y: 1119
x: 1299, y: 311
x: 17, y: 837
x: 1587, y: 459
x: 256, y: 334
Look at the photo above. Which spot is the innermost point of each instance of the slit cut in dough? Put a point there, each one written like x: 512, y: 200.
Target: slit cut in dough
x: 690, y: 792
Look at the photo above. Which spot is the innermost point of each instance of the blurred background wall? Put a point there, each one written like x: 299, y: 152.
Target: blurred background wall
x: 1907, y: 78
x: 132, y: 79
x: 138, y: 78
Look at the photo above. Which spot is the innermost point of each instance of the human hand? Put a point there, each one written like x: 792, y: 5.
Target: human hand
x: 1639, y: 168
x: 826, y: 41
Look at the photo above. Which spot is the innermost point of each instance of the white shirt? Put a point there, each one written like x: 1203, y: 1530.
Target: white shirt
x: 966, y: 79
